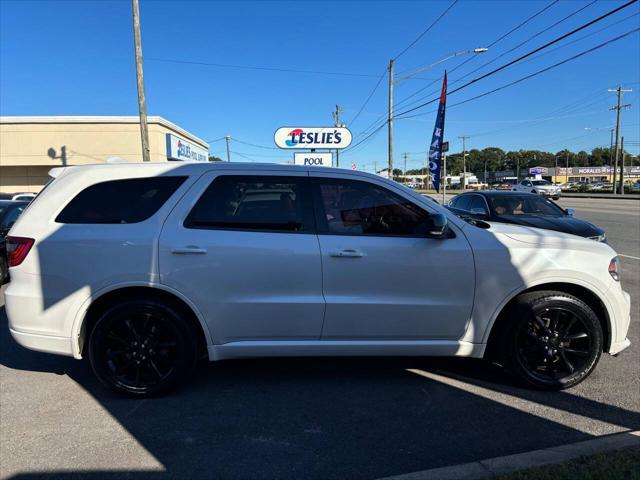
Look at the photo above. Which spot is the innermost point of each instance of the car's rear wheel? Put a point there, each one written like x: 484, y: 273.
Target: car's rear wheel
x: 141, y: 347
x: 554, y: 340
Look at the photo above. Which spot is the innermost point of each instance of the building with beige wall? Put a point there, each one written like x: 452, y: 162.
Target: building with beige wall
x: 31, y: 146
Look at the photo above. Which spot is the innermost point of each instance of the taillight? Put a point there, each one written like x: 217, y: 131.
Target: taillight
x: 17, y: 249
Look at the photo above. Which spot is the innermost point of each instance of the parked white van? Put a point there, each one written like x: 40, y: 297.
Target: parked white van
x: 144, y: 268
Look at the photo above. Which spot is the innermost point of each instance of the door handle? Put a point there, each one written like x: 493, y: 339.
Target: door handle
x: 348, y: 252
x: 188, y: 251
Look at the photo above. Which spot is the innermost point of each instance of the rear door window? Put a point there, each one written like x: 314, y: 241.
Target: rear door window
x: 254, y: 203
x: 130, y: 200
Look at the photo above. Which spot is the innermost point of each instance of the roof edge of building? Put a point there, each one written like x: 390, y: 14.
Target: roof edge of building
x: 102, y: 119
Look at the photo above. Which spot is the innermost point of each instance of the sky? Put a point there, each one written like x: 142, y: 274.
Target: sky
x: 77, y: 58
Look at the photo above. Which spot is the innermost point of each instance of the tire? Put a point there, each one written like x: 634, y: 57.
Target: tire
x: 557, y: 197
x: 142, y: 348
x: 553, y: 340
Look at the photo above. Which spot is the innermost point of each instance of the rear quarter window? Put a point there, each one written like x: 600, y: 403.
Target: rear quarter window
x: 130, y: 200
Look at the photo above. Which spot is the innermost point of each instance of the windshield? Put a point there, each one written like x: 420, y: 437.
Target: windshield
x: 523, y: 205
x: 541, y: 182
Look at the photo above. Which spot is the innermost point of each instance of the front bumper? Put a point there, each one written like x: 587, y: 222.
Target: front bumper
x: 548, y: 193
x: 622, y: 319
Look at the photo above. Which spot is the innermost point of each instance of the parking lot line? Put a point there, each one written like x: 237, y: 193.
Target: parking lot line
x: 628, y: 256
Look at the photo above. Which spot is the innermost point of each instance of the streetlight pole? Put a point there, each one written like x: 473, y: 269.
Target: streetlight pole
x: 393, y: 82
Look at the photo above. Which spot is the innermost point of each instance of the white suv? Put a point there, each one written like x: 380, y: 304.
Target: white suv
x: 144, y: 268
x: 541, y: 187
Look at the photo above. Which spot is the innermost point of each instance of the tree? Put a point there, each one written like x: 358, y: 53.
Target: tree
x: 213, y: 158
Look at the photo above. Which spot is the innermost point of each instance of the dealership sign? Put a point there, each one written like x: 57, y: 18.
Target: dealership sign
x: 179, y: 149
x: 312, y: 137
x: 313, y: 159
x: 538, y: 171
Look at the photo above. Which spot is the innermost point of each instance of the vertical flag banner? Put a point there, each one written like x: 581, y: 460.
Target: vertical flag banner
x: 435, y: 150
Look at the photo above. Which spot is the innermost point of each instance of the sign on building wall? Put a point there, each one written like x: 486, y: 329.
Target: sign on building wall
x: 312, y: 137
x: 180, y: 149
x: 313, y: 159
x: 538, y: 171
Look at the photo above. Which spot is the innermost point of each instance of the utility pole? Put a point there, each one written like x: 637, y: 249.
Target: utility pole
x: 227, y: 138
x: 567, y: 170
x: 611, y: 147
x: 142, y: 101
x: 390, y: 119
x: 404, y: 172
x: 622, y: 167
x: 336, y: 118
x: 444, y: 177
x: 375, y: 167
x: 485, y: 171
x: 619, y: 92
x: 464, y: 160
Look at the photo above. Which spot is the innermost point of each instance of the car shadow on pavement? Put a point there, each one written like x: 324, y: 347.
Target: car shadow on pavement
x: 325, y: 418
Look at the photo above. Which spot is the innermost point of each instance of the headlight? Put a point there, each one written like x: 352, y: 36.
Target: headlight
x: 599, y: 238
x: 613, y: 269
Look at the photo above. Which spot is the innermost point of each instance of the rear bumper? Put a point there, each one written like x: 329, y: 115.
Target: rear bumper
x: 43, y: 343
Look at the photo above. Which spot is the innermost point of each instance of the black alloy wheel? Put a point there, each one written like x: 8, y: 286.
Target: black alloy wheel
x: 141, y: 347
x: 555, y: 341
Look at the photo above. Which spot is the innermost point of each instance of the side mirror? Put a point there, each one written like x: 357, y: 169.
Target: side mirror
x: 570, y: 211
x: 437, y: 225
x: 480, y: 213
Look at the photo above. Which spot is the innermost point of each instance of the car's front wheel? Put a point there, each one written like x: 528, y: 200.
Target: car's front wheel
x: 141, y: 347
x: 554, y: 340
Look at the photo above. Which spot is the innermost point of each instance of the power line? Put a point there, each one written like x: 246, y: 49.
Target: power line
x: 255, y: 145
x: 473, y: 57
x: 425, y: 31
x: 369, y: 97
x: 528, y: 54
x: 495, y: 42
x: 529, y: 39
x: 256, y: 67
x: 535, y: 57
x: 574, y: 57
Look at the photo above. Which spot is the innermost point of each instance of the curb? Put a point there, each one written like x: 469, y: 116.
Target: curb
x: 520, y: 461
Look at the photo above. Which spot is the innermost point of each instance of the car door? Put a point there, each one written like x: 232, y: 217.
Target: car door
x: 525, y: 186
x: 383, y: 278
x: 242, y: 247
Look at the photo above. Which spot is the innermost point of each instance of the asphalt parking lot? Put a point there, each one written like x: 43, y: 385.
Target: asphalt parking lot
x: 312, y: 418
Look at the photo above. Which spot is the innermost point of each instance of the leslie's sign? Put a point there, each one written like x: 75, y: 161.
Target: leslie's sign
x: 312, y: 137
